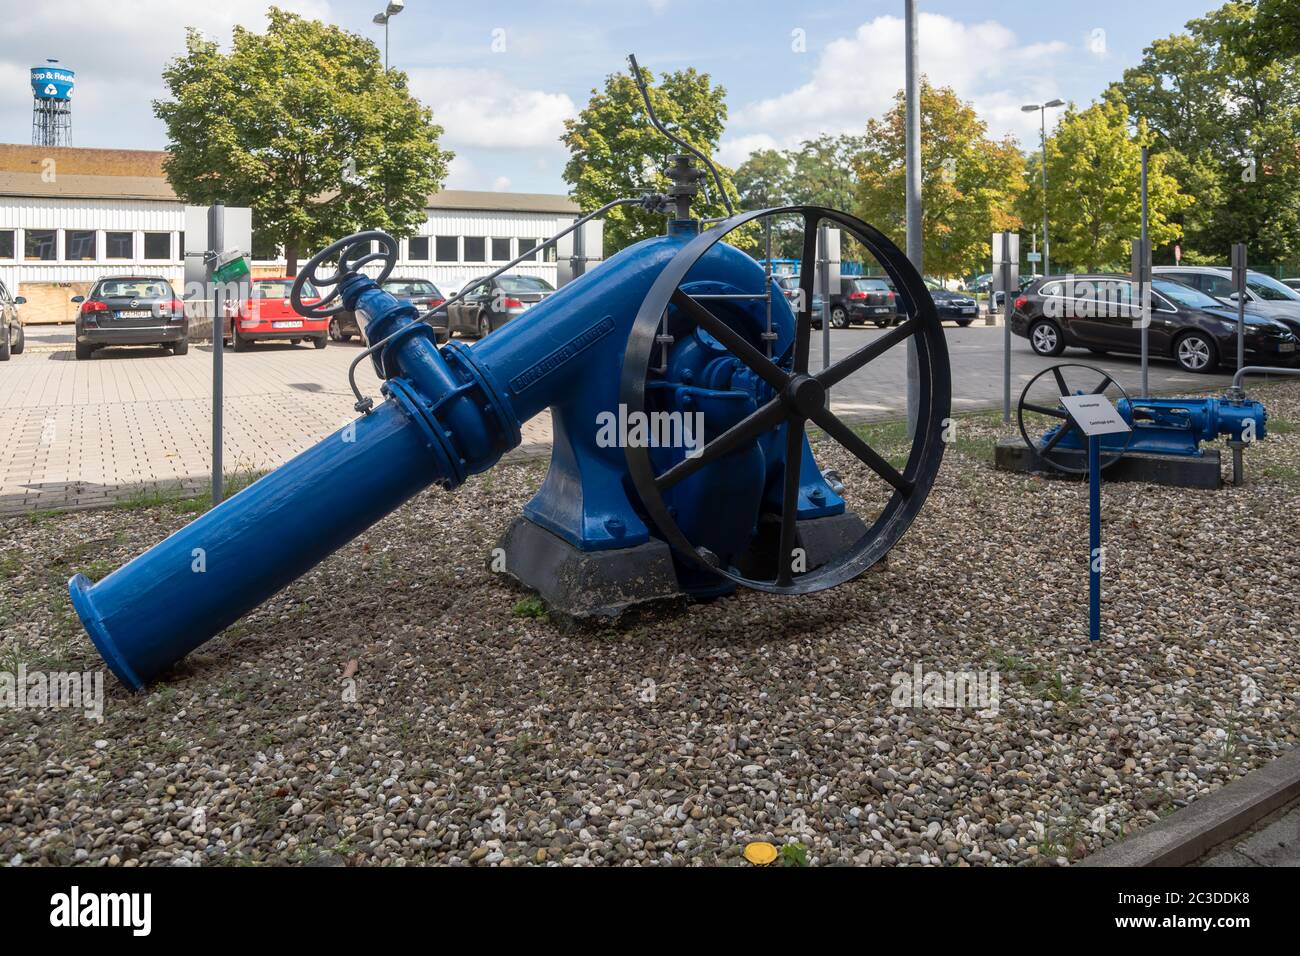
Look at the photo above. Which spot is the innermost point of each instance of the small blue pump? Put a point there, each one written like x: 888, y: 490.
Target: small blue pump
x: 680, y: 328
x: 1175, y: 426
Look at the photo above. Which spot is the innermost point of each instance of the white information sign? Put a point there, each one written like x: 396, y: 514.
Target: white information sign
x: 1094, y: 414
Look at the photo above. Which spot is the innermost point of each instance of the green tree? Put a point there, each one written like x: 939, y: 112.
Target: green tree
x: 302, y: 124
x: 1222, y: 101
x: 1094, y: 168
x: 763, y: 180
x: 969, y: 183
x: 615, y: 152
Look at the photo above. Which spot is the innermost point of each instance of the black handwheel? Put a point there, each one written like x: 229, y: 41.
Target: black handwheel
x: 1068, y: 378
x: 800, y: 397
x: 353, y: 253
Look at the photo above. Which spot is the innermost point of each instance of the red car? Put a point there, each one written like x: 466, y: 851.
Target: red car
x: 267, y: 314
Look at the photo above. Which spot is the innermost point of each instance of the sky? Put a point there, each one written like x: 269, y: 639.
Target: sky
x: 501, y: 77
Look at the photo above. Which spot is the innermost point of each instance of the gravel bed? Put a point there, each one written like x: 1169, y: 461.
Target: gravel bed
x: 401, y: 705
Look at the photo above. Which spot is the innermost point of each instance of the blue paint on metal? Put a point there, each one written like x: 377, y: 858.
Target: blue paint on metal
x: 1177, y: 426
x: 52, y: 82
x: 452, y: 412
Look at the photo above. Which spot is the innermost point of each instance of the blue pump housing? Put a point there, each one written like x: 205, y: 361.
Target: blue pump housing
x: 453, y: 411
x: 1176, y: 426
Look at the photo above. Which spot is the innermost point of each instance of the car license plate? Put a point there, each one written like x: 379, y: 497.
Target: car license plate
x: 134, y: 314
x: 1286, y: 347
x: 287, y: 324
x: 880, y: 308
x: 968, y: 310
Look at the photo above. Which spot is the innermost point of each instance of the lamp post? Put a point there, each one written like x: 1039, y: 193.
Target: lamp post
x: 1042, y: 125
x: 393, y: 9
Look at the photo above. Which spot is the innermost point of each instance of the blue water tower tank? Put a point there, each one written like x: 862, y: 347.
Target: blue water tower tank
x: 52, y: 82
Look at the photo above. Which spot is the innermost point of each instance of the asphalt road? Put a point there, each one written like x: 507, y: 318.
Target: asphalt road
x: 879, y: 390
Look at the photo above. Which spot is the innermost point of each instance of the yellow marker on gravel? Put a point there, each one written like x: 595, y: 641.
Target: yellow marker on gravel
x: 760, y: 854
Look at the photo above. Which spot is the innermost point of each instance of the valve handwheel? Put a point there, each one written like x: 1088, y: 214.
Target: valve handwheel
x: 800, y: 398
x: 353, y: 252
x: 1068, y: 378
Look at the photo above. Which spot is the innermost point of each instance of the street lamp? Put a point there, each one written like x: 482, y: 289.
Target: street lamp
x: 1042, y: 123
x: 393, y: 9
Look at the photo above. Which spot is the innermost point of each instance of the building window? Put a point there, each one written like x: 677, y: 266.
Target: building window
x: 526, y: 244
x: 444, y: 249
x: 79, y: 244
x: 475, y: 249
x: 40, y: 245
x: 157, y: 245
x: 417, y: 248
x: 6, y: 243
x: 501, y: 250
x: 119, y: 245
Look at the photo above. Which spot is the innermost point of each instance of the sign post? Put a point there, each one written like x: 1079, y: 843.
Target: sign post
x: 1095, y: 416
x: 1239, y: 286
x: 1006, y: 277
x: 1142, y: 289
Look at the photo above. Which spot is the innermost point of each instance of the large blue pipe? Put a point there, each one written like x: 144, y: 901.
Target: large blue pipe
x: 449, y: 413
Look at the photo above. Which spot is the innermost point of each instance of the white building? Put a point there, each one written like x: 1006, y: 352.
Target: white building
x: 69, y: 216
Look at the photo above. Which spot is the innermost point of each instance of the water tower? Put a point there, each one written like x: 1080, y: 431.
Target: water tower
x: 51, y: 104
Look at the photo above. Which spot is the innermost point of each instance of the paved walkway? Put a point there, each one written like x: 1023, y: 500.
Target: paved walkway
x: 1275, y: 841
x: 79, y: 434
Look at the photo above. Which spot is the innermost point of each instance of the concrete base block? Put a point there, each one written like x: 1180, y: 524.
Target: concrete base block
x: 587, y: 585
x: 1179, y: 471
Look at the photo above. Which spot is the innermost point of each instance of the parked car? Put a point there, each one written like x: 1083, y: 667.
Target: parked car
x: 861, y: 299
x: 1292, y: 284
x: 267, y: 314
x: 488, y: 305
x: 952, y: 306
x: 1264, y: 294
x: 12, y: 340
x: 131, y: 310
x: 1097, y: 312
x: 421, y: 293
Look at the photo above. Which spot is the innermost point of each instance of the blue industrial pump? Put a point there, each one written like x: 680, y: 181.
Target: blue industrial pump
x: 1158, y: 426
x: 678, y: 328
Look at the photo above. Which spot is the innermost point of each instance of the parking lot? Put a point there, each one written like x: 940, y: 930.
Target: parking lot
x: 78, y: 434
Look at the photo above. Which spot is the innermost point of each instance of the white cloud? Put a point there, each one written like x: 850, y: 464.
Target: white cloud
x: 857, y: 77
x: 481, y: 108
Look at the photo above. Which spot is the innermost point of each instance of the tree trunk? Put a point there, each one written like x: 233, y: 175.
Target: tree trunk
x: 291, y: 256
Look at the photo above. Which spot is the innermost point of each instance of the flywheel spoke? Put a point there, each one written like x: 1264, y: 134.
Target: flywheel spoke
x: 850, y: 439
x: 847, y: 366
x: 761, y: 365
x: 741, y: 433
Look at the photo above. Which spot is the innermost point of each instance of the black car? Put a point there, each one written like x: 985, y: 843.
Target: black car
x: 861, y: 299
x: 12, y: 340
x: 421, y: 293
x: 1098, y: 312
x: 952, y: 306
x: 488, y: 305
x: 131, y: 310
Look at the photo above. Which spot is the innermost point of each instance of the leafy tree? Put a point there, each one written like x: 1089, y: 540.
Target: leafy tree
x: 1222, y: 101
x: 615, y: 152
x: 763, y: 180
x: 303, y: 124
x: 1094, y: 164
x: 969, y: 183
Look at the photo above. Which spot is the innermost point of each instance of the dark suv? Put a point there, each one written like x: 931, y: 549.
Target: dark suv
x: 131, y: 310
x: 11, y: 329
x: 1098, y: 312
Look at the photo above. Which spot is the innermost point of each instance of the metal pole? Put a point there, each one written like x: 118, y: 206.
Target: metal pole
x: 1042, y: 125
x: 216, y: 245
x: 386, y: 44
x: 914, y: 242
x: 1094, y: 538
x: 1005, y: 269
x: 824, y: 273
x: 1145, y: 289
x: 1240, y: 250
